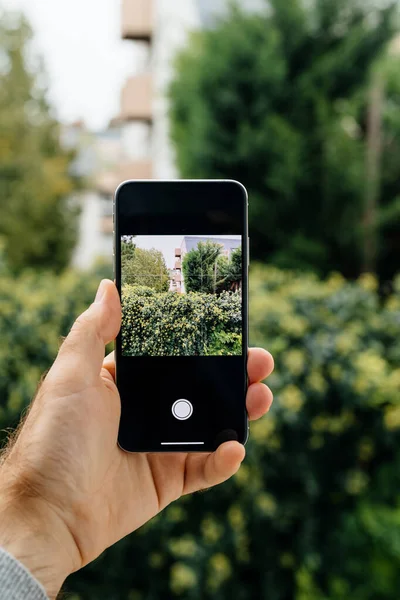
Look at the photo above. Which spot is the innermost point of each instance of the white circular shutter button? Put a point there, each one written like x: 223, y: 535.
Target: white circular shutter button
x: 182, y: 409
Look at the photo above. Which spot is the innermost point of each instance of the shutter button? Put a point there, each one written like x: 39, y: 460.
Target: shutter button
x: 182, y: 409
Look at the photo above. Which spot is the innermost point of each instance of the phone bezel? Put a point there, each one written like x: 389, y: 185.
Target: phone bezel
x: 245, y: 253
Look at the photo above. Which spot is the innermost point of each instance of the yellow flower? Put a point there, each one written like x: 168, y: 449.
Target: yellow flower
x: 266, y: 504
x: 294, y: 325
x: 295, y: 361
x: 316, y: 382
x: 183, y: 547
x: 212, y: 530
x: 220, y: 570
x: 371, y: 370
x: 292, y: 399
x: 183, y: 578
x: 335, y: 282
x: 175, y: 514
x: 243, y: 475
x: 392, y: 418
x: 346, y: 343
x: 356, y: 482
x: 236, y: 517
x: 368, y: 282
x: 261, y: 430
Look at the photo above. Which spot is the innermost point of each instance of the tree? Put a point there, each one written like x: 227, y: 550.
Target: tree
x: 146, y: 267
x: 230, y: 271
x: 279, y: 101
x: 200, y: 267
x: 37, y: 220
x: 127, y: 253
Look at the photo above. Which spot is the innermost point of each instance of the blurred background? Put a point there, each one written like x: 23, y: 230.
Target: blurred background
x: 299, y: 100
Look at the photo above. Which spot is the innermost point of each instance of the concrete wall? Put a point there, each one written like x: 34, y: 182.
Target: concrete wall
x: 92, y: 243
x: 173, y: 22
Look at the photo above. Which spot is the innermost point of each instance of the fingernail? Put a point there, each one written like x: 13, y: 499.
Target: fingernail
x: 101, y: 291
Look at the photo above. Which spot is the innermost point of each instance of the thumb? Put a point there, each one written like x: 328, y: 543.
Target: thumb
x: 82, y: 352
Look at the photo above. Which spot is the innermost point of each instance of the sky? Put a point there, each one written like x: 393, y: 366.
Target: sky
x: 168, y: 243
x: 86, y: 60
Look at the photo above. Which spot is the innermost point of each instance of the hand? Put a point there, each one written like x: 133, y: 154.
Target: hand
x: 68, y: 491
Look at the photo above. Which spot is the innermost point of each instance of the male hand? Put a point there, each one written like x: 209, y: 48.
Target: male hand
x: 67, y: 490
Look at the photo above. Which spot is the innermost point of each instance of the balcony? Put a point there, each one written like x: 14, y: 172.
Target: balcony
x: 106, y: 225
x: 137, y: 19
x: 178, y: 264
x: 107, y: 183
x: 137, y: 99
x: 138, y: 169
x: 178, y: 252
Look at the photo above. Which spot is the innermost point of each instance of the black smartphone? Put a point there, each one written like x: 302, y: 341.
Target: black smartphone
x: 181, y: 267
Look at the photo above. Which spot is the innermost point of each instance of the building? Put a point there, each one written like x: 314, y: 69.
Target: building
x: 136, y: 144
x: 191, y: 242
x: 97, y: 157
x: 157, y: 29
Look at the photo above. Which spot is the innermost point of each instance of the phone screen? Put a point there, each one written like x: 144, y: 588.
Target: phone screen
x: 181, y: 269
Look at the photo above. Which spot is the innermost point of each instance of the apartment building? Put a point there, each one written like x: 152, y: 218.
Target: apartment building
x: 98, y: 155
x: 157, y: 29
x: 190, y: 242
x: 136, y: 144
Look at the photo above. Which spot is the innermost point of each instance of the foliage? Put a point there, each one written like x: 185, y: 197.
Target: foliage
x: 200, y: 267
x: 207, y: 270
x: 314, y: 512
x: 279, y: 100
x: 224, y: 343
x: 230, y: 271
x: 37, y: 222
x: 36, y: 311
x: 171, y: 324
x: 144, y: 268
x: 127, y: 251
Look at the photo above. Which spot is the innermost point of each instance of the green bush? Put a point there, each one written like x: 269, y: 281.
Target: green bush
x: 170, y: 324
x: 314, y: 512
x: 36, y: 311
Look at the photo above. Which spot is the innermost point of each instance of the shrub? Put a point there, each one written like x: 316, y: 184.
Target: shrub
x: 313, y: 513
x: 170, y: 324
x: 36, y: 311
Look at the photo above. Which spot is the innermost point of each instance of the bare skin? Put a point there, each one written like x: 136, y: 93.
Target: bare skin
x: 67, y: 490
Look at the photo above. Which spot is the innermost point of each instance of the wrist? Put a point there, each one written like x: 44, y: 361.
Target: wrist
x: 38, y: 539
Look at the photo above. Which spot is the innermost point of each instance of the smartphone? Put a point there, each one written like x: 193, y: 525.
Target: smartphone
x: 181, y: 268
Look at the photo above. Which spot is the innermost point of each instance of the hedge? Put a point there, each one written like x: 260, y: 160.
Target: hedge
x: 314, y: 513
x: 171, y: 324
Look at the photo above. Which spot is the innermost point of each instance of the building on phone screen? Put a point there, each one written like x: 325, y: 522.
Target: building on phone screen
x: 190, y: 242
